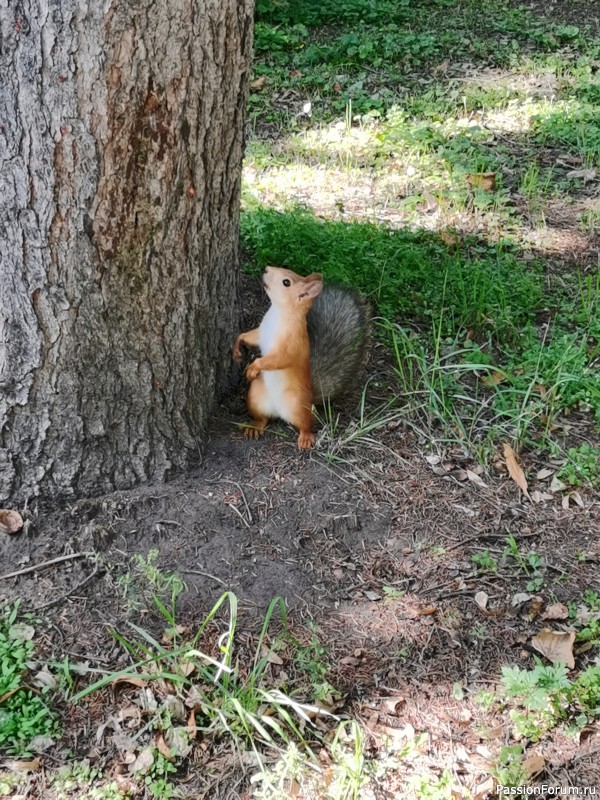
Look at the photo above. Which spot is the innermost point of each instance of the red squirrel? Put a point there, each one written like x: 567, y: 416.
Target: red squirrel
x: 312, y: 342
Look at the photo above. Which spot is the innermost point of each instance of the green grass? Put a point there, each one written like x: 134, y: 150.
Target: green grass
x: 371, y: 52
x: 24, y: 716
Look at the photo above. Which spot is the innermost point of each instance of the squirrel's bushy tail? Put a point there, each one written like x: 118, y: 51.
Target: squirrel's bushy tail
x: 338, y: 329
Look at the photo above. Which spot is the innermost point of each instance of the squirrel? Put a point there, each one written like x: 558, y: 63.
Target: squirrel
x: 313, y: 342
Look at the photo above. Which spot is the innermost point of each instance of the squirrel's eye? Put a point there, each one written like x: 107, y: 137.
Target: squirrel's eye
x: 287, y: 282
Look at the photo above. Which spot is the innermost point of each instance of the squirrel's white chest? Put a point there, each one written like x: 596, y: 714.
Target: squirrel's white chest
x: 269, y: 327
x: 274, y: 379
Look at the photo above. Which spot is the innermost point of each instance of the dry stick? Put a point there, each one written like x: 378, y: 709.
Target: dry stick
x: 44, y: 564
x: 57, y: 600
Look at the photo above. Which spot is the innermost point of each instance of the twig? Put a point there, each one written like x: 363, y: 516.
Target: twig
x: 44, y: 564
x: 60, y: 599
x: 204, y: 574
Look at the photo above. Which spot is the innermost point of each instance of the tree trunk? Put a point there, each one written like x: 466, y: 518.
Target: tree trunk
x: 121, y: 128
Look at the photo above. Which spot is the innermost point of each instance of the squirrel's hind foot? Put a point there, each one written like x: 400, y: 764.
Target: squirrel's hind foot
x: 306, y: 440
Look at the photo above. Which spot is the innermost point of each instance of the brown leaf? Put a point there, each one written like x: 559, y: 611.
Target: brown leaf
x: 430, y: 203
x: 482, y: 180
x: 129, y: 679
x: 556, y: 611
x: 22, y: 766
x: 514, y: 470
x: 10, y: 521
x: 588, y: 175
x: 493, y: 379
x: 474, y: 478
x: 481, y: 598
x: 533, y: 764
x: 164, y: 748
x: 556, y: 646
x: 259, y: 83
x: 450, y: 238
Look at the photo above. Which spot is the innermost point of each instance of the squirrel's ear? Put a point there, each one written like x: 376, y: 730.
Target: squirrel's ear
x: 314, y: 276
x: 309, y: 289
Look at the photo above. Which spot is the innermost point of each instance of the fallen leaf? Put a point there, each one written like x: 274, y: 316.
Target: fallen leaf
x: 474, y: 478
x: 535, y: 607
x: 519, y: 598
x: 482, y: 180
x: 129, y: 679
x: 565, y: 502
x: 430, y: 203
x: 588, y: 175
x: 22, y: 766
x: 544, y: 473
x: 452, y: 240
x: 143, y: 762
x: 259, y: 83
x: 514, y: 470
x: 577, y: 498
x: 373, y: 596
x: 10, y: 521
x: 481, y: 598
x: 433, y: 459
x: 493, y: 379
x: 163, y: 748
x: 179, y: 741
x: 485, y: 789
x: 44, y: 679
x: 557, y: 485
x: 427, y: 610
x: 556, y: 611
x: 533, y: 764
x: 556, y: 646
x: 272, y: 658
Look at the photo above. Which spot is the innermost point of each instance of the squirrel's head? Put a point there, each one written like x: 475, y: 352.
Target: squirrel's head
x: 289, y: 290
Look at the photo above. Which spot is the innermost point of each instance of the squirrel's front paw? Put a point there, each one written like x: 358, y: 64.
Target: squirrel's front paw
x: 252, y: 371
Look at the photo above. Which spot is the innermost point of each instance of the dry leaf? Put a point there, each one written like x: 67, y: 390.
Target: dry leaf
x: 485, y: 789
x: 556, y: 646
x: 557, y: 485
x: 588, y: 175
x: 577, y: 498
x: 535, y: 607
x: 129, y: 679
x: 22, y: 766
x: 482, y: 180
x: 533, y: 765
x: 271, y: 657
x: 10, y: 521
x: 427, y: 610
x: 452, y: 240
x: 163, y: 748
x: 481, y: 598
x: 565, y: 502
x: 544, y: 473
x: 259, y: 83
x: 493, y: 379
x: 474, y: 478
x: 514, y: 470
x: 143, y: 762
x: 430, y: 203
x: 519, y: 598
x: 556, y: 611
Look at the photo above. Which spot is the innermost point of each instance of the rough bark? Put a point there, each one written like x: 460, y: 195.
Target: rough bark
x: 121, y: 126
